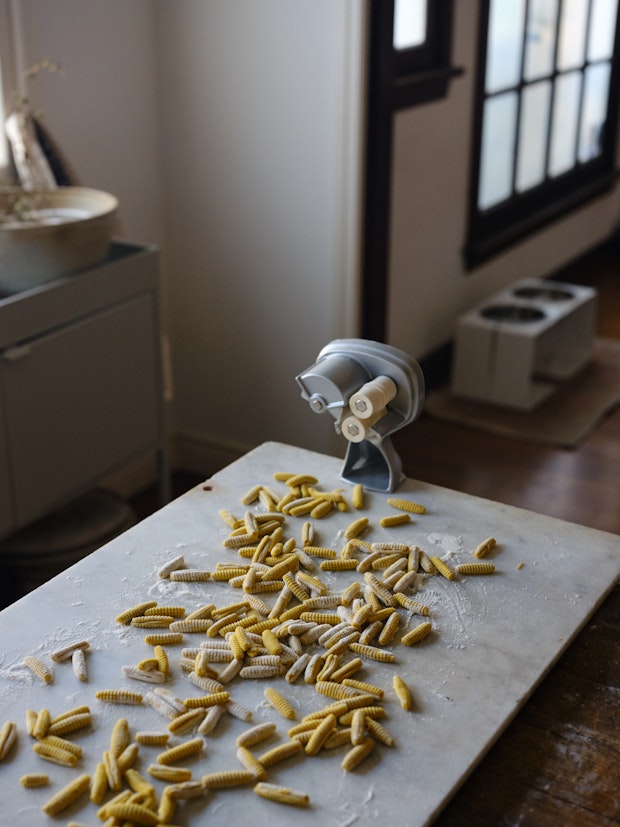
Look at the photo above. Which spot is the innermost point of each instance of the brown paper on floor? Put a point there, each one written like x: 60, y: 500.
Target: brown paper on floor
x: 564, y: 419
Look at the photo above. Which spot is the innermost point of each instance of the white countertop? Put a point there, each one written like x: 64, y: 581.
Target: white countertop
x: 494, y: 638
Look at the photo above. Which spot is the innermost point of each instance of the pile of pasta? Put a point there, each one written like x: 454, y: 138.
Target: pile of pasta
x: 286, y: 625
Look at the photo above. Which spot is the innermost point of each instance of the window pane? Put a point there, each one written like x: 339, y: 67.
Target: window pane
x: 505, y: 43
x: 572, y: 37
x: 497, y: 151
x: 533, y: 125
x: 540, y: 38
x: 409, y: 23
x: 4, y: 151
x: 594, y: 111
x: 602, y: 29
x: 564, y: 123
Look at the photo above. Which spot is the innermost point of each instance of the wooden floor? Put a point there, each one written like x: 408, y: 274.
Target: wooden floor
x: 558, y: 763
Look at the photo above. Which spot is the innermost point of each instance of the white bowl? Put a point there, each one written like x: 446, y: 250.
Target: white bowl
x: 63, y: 231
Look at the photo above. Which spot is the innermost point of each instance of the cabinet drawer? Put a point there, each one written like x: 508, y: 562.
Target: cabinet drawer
x: 79, y: 402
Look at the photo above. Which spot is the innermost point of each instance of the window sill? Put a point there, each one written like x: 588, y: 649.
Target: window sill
x: 423, y: 87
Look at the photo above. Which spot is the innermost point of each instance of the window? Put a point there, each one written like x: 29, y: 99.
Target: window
x: 409, y: 48
x: 545, y: 116
x: 6, y: 83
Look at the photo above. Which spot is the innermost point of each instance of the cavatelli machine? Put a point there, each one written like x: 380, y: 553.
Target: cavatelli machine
x: 372, y: 390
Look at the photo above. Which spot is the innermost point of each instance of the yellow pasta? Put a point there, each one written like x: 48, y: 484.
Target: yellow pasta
x: 67, y: 651
x: 412, y: 605
x: 320, y: 734
x: 255, y: 735
x: 280, y: 753
x: 279, y: 703
x: 406, y: 505
x: 67, y: 795
x: 164, y: 638
x: 250, y: 763
x: 228, y: 778
x: 37, y: 666
x: 8, y: 737
x: 172, y: 775
x: 127, y: 616
x: 69, y: 746
x: 42, y: 724
x: 357, y: 496
x: 119, y: 696
x: 379, y: 732
x: 400, y: 519
x: 364, y: 686
x: 119, y: 737
x: 34, y: 779
x: 282, y: 795
x: 475, y: 568
x: 357, y: 754
x: 372, y: 652
x: 341, y: 564
x: 139, y: 783
x: 50, y: 752
x: 416, y: 634
x: 355, y: 528
x: 70, y: 723
x: 152, y: 738
x: 136, y: 813
x: 176, y: 563
x: 184, y: 750
x: 442, y: 568
x: 403, y: 692
x: 99, y: 785
x: 485, y: 547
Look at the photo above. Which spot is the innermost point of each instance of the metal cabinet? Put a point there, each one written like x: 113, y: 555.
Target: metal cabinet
x: 80, y: 383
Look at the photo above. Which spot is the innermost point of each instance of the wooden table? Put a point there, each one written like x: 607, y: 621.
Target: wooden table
x: 494, y: 640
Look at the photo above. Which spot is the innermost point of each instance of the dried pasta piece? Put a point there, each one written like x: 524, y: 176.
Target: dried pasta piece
x: 136, y: 813
x: 139, y: 783
x: 8, y: 738
x: 412, y: 605
x: 128, y: 615
x: 416, y: 634
x: 372, y: 652
x: 99, y: 785
x: 67, y: 795
x: 227, y: 778
x: 42, y: 724
x: 357, y: 754
x: 282, y: 795
x: 475, y: 568
x: 485, y: 547
x: 364, y: 686
x: 399, y: 519
x: 78, y: 664
x: 320, y: 734
x: 443, y: 568
x: 279, y: 703
x: 184, y: 750
x: 255, y: 735
x: 172, y: 565
x: 341, y: 564
x: 250, y: 763
x: 357, y: 496
x: 321, y: 551
x: 149, y: 738
x: 403, y: 693
x: 65, y: 652
x: 54, y: 754
x: 63, y: 743
x: 70, y: 723
x: 144, y: 675
x: 173, y: 775
x: 119, y: 696
x: 119, y: 738
x: 37, y: 666
x: 406, y: 505
x: 34, y: 779
x: 379, y: 732
x: 355, y: 528
x: 280, y: 753
x: 190, y: 576
x: 164, y: 638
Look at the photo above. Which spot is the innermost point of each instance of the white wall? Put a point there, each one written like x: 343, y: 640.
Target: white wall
x: 230, y: 130
x: 262, y: 146
x: 429, y: 286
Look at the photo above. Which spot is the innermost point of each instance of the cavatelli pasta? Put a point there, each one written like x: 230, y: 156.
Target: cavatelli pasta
x: 67, y: 795
x: 283, y: 795
x: 37, y: 666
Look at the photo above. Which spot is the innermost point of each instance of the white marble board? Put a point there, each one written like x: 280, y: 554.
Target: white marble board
x: 494, y: 638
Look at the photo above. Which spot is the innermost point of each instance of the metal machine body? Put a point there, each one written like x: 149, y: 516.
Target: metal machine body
x: 372, y: 390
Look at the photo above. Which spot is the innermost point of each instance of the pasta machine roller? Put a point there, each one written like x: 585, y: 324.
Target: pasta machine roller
x: 372, y: 390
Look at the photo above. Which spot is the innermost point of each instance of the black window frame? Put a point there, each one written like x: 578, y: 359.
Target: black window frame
x: 492, y: 231
x: 397, y: 79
